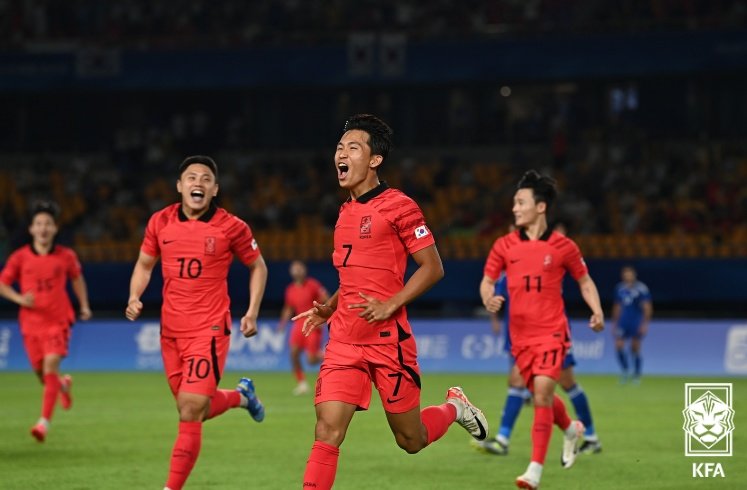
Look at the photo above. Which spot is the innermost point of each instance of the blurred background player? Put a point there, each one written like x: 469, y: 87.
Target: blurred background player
x: 631, y: 314
x: 299, y: 297
x: 535, y: 260
x: 371, y: 340
x: 42, y: 269
x: 518, y: 394
x: 196, y: 242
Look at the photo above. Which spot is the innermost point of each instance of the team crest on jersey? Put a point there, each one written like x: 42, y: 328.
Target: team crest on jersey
x: 547, y: 262
x: 366, y: 227
x: 209, y: 245
x: 421, y: 231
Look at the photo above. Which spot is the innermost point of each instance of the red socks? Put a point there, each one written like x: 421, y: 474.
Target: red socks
x: 51, y: 391
x: 560, y: 414
x: 542, y: 427
x: 321, y: 466
x: 298, y: 373
x: 541, y: 433
x: 189, y: 439
x: 222, y: 401
x: 437, y: 420
x: 184, y: 455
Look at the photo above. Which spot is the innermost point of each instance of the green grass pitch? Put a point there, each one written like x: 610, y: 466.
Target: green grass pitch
x: 120, y: 430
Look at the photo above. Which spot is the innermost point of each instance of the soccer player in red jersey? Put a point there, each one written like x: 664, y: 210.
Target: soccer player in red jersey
x: 299, y: 297
x: 42, y: 270
x: 535, y: 260
x: 196, y: 242
x: 370, y: 337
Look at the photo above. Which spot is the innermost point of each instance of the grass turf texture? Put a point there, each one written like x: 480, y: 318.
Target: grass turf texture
x: 120, y: 430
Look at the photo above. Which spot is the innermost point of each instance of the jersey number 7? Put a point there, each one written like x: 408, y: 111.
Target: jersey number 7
x: 349, y: 246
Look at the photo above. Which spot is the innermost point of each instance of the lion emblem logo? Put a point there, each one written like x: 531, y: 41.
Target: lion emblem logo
x: 708, y: 419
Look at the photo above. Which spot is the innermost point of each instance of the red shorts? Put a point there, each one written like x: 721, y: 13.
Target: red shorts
x: 349, y: 369
x: 195, y: 364
x: 545, y: 359
x: 311, y: 344
x: 38, y: 346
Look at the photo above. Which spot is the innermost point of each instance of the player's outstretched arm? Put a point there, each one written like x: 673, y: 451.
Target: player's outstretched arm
x: 138, y: 282
x: 257, y: 283
x: 81, y: 292
x: 591, y: 297
x: 11, y: 294
x: 317, y: 315
x: 490, y: 300
x: 430, y: 271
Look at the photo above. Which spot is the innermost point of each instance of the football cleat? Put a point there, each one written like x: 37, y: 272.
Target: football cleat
x: 590, y: 447
x: 39, y: 431
x: 526, y: 481
x: 468, y: 416
x: 570, y: 444
x: 254, y: 406
x: 494, y: 446
x: 66, y: 392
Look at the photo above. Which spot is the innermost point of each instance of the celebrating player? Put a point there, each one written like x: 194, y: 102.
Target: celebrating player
x: 42, y: 269
x: 299, y: 297
x: 370, y: 337
x: 196, y: 241
x: 535, y: 260
x: 517, y: 392
x: 631, y: 315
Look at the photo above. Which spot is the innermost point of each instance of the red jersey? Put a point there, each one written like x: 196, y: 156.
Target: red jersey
x: 195, y: 258
x: 45, y: 276
x: 534, y: 272
x: 301, y: 297
x: 373, y: 237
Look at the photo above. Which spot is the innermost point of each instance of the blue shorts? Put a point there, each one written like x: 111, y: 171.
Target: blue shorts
x: 569, y: 360
x: 629, y: 332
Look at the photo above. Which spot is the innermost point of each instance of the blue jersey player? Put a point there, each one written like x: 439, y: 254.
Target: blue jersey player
x: 631, y: 314
x: 517, y: 392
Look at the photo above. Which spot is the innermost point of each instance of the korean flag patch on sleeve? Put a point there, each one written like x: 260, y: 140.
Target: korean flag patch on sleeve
x: 421, y: 231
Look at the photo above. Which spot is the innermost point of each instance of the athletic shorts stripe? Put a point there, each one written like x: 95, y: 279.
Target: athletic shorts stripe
x: 402, y: 336
x: 214, y: 358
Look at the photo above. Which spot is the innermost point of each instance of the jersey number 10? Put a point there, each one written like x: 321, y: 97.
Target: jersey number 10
x: 192, y: 267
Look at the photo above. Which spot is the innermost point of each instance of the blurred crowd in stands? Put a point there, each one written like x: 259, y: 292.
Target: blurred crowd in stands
x: 205, y: 23
x: 624, y: 199
x: 646, y: 167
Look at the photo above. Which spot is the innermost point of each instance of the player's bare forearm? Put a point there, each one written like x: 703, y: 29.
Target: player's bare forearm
x: 591, y: 296
x: 490, y: 300
x: 430, y: 271
x: 332, y: 300
x: 257, y: 283
x: 10, y: 294
x: 138, y: 282
x: 81, y: 292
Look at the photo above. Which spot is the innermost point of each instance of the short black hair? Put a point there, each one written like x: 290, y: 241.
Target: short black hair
x: 49, y: 207
x: 542, y: 186
x: 379, y: 132
x: 202, y: 159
